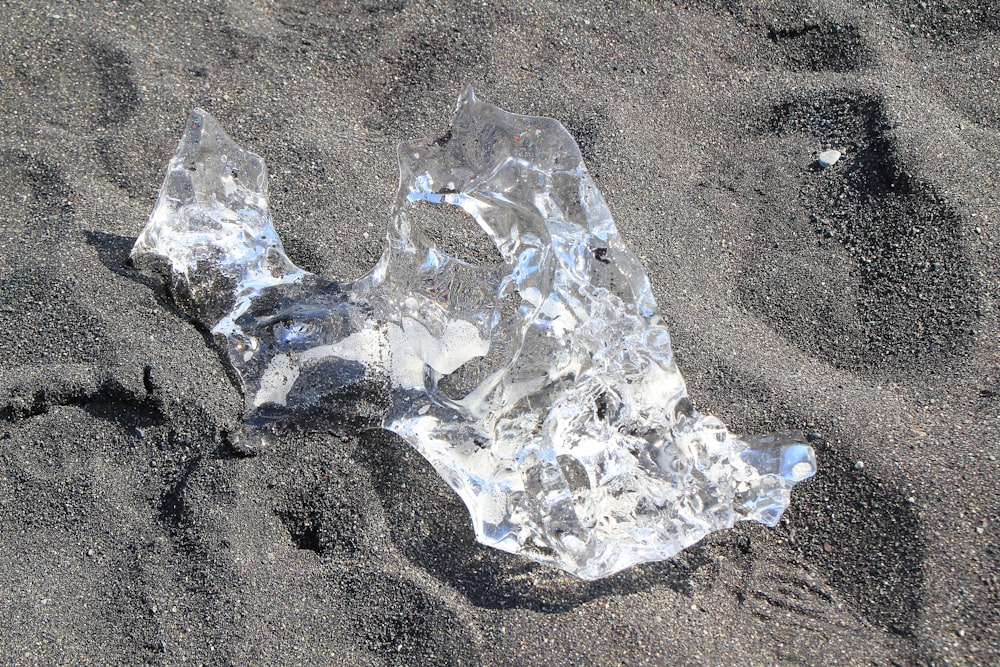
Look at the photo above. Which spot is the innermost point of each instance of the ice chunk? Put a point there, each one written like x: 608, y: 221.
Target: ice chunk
x: 541, y: 387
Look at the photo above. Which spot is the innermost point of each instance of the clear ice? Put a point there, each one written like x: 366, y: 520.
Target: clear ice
x: 542, y: 388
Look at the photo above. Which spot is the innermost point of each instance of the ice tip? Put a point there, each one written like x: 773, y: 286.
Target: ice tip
x: 467, y: 96
x: 198, y: 119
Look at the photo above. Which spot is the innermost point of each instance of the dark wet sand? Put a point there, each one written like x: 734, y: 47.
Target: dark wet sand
x: 857, y: 303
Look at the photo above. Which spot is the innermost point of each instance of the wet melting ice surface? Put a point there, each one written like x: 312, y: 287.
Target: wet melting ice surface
x: 541, y: 387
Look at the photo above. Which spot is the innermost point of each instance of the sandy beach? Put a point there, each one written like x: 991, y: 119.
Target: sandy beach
x: 856, y: 303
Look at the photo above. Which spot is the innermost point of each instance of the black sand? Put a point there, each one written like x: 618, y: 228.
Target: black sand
x: 858, y: 303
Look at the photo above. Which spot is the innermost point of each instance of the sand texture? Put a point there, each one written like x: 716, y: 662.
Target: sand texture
x: 856, y: 302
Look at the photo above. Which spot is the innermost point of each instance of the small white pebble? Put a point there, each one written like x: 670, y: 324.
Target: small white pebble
x: 858, y: 465
x: 829, y: 158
